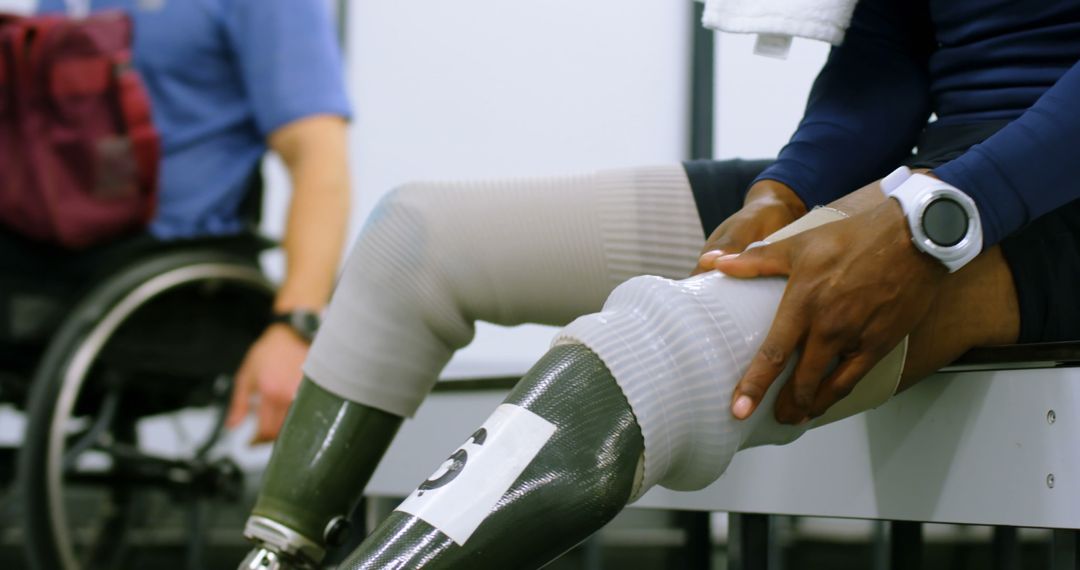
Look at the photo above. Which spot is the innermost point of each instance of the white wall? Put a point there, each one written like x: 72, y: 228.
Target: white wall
x: 759, y: 100
x: 491, y: 88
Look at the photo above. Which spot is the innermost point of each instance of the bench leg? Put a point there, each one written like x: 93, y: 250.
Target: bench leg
x: 748, y: 542
x: 1065, y: 550
x: 1006, y: 548
x: 196, y: 547
x: 697, y: 547
x: 592, y: 553
x: 906, y: 545
x: 880, y: 546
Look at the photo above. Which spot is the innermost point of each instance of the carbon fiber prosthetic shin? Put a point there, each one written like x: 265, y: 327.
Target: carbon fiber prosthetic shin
x: 294, y: 521
x: 555, y: 462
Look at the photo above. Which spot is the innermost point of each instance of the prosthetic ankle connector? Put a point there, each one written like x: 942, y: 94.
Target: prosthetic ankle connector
x: 262, y: 559
x: 279, y: 547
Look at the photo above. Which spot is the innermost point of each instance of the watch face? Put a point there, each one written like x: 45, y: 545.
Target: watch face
x: 945, y: 222
x: 306, y: 322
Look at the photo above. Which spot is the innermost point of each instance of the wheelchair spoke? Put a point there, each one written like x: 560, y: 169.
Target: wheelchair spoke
x: 109, y: 548
x: 100, y: 535
x: 92, y: 436
x: 130, y: 466
x: 196, y: 546
x: 222, y: 392
x: 134, y: 468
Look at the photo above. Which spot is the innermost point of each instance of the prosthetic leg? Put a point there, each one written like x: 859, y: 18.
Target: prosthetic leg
x: 634, y: 396
x: 556, y: 461
x: 294, y: 521
x: 431, y: 260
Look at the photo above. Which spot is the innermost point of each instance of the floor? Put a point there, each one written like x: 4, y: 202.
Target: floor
x: 637, y: 540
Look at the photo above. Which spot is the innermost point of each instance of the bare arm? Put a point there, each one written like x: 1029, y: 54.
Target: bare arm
x: 314, y: 150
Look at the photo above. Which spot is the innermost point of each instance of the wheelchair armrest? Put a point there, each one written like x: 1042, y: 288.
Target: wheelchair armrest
x: 249, y: 243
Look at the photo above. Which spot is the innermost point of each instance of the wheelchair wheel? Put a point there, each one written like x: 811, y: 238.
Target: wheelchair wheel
x: 123, y: 453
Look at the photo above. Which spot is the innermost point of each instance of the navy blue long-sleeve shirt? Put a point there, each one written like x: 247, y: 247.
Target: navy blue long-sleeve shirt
x: 966, y: 61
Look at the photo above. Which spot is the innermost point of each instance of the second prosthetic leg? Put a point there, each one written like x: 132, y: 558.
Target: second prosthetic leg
x: 293, y: 522
x: 433, y: 258
x: 671, y: 350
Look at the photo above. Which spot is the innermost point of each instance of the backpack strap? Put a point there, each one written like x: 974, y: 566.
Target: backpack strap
x: 5, y: 66
x: 134, y: 104
x: 27, y: 41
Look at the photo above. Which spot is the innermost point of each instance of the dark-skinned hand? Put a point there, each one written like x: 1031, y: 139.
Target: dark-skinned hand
x: 769, y: 205
x: 856, y: 287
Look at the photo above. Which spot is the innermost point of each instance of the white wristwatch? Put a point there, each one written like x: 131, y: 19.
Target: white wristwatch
x: 944, y: 221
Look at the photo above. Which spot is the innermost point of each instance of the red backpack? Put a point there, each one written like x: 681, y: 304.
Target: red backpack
x: 78, y: 152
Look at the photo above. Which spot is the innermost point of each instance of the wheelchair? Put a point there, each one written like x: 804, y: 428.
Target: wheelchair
x: 124, y: 358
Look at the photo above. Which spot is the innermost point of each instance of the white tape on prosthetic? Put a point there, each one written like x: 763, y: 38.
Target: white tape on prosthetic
x: 677, y: 348
x: 496, y: 454
x: 554, y: 464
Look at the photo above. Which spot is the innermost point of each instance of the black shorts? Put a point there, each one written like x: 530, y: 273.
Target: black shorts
x: 1044, y: 256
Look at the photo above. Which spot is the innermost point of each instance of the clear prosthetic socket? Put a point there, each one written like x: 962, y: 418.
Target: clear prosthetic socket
x: 554, y: 463
x: 327, y: 439
x: 677, y: 349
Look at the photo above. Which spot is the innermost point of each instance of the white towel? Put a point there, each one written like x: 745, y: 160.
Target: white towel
x: 777, y: 21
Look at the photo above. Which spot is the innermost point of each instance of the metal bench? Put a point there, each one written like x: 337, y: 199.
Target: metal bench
x: 992, y: 440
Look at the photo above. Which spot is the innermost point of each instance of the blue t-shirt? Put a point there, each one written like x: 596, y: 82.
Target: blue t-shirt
x: 223, y: 75
x: 967, y: 61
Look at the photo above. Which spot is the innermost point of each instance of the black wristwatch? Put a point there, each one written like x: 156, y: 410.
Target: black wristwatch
x: 304, y: 322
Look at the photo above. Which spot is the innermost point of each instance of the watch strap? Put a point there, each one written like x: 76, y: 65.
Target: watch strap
x: 304, y: 322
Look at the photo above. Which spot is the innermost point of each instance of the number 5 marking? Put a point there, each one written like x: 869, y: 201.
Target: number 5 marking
x: 453, y: 466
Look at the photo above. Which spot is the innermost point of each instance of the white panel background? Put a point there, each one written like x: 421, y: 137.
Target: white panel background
x: 759, y: 100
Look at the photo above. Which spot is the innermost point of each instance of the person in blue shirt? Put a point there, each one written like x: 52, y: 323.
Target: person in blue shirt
x: 1002, y: 79
x: 228, y: 81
